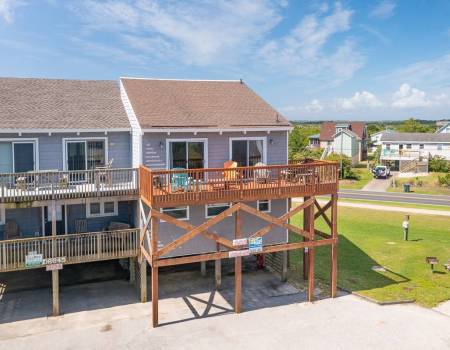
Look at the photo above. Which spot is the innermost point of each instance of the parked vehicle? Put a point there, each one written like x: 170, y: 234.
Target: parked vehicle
x: 381, y: 171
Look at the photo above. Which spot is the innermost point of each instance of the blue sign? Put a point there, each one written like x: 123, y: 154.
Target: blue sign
x: 255, y: 244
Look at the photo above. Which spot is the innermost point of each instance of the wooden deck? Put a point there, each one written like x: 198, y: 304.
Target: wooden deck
x: 75, y: 248
x: 168, y: 188
x: 48, y: 185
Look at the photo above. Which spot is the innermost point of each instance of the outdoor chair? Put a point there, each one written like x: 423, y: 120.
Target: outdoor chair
x: 230, y: 176
x: 104, y: 175
x: 179, y: 181
x: 80, y: 226
x: 261, y: 175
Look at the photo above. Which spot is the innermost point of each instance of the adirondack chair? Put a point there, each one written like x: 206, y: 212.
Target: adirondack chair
x: 179, y: 181
x: 230, y: 176
x: 261, y: 175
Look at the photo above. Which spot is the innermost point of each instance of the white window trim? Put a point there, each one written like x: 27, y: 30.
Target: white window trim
x: 2, y: 214
x: 213, y: 205
x: 249, y: 138
x: 188, y: 216
x: 264, y: 211
x: 65, y: 140
x: 102, y: 208
x: 34, y: 141
x: 205, y: 148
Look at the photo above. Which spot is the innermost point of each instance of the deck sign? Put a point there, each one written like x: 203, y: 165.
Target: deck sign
x: 255, y: 244
x: 53, y: 267
x: 52, y: 261
x: 33, y: 259
x: 237, y: 253
x: 240, y: 241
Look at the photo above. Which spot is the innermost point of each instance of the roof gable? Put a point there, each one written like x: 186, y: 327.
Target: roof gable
x: 199, y: 103
x: 328, y: 129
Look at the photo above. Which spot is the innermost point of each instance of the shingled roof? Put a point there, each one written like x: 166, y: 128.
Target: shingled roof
x: 199, y: 104
x: 328, y: 129
x: 415, y: 137
x: 48, y: 104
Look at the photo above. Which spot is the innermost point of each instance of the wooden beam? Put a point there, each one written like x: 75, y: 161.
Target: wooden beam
x: 237, y: 267
x: 321, y: 209
x: 311, y: 254
x: 284, y: 217
x: 196, y: 231
x: 334, y: 234
x: 154, y: 243
x: 306, y: 226
x: 323, y: 214
x: 322, y: 234
x: 224, y: 255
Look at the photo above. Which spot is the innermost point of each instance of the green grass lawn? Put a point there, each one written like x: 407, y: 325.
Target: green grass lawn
x: 375, y: 238
x: 364, y: 178
x: 397, y: 204
x: 422, y: 185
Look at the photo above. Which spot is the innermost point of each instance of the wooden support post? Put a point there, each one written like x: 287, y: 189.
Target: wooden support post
x: 334, y: 234
x: 203, y: 268
x: 55, y: 273
x: 311, y: 253
x: 218, y: 270
x: 306, y: 227
x: 237, y: 267
x: 154, y: 243
x: 132, y: 268
x: 143, y: 279
x: 284, y: 265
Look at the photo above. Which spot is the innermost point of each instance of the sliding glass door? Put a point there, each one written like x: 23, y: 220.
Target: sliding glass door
x: 247, y: 152
x: 85, y: 154
x: 187, y: 154
x: 6, y: 158
x: 17, y: 157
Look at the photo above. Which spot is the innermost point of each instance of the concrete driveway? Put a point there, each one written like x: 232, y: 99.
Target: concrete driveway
x: 274, y: 317
x: 378, y: 185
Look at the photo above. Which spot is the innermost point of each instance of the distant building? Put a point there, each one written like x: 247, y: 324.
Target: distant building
x: 410, y: 152
x: 375, y: 138
x: 443, y: 127
x: 348, y: 138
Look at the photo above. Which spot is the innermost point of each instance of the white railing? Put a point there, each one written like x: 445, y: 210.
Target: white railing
x: 44, y: 185
x: 74, y: 248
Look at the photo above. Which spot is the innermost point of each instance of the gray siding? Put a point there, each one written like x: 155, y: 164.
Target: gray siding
x: 78, y: 211
x: 28, y: 220
x: 51, y: 147
x: 200, y: 244
x: 154, y: 147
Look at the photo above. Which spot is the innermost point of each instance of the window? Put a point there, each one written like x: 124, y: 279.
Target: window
x: 101, y: 208
x: 85, y: 154
x: 215, y: 209
x: 421, y: 146
x: 264, y: 205
x: 400, y: 146
x: 180, y: 213
x: 388, y: 146
x: 439, y: 146
x: 248, y: 151
x: 18, y: 156
x: 2, y: 214
x: 408, y: 146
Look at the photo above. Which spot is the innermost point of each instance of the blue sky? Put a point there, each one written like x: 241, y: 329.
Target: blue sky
x: 360, y: 60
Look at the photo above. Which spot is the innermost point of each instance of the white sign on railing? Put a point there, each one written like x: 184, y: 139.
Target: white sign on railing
x: 57, y: 260
x: 33, y: 259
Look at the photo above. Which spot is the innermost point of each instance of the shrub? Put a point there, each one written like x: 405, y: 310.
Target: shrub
x: 444, y: 180
x: 347, y: 172
x: 439, y: 164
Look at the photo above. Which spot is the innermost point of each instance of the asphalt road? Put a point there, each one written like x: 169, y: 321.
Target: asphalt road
x: 396, y: 197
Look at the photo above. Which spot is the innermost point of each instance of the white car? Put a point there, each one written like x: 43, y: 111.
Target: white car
x: 381, y: 171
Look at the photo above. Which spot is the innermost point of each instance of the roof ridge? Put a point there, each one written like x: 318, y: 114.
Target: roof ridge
x: 177, y: 79
x: 60, y: 79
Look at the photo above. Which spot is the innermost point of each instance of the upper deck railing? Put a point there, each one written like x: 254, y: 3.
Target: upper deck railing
x: 48, y: 184
x: 167, y: 188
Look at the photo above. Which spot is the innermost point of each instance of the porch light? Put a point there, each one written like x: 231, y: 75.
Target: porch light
x: 161, y: 144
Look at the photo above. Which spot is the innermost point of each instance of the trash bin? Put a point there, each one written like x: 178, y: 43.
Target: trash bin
x: 406, y: 187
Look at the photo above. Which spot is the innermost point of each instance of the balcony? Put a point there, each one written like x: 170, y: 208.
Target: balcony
x: 74, y: 248
x: 403, y: 154
x: 48, y: 184
x: 169, y: 188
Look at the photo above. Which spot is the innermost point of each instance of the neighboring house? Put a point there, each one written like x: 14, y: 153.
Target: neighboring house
x: 348, y: 138
x: 375, y: 138
x: 314, y: 141
x: 61, y: 133
x: 410, y: 152
x: 444, y: 127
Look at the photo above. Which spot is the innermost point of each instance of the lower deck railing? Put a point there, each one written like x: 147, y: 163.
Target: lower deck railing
x: 71, y: 248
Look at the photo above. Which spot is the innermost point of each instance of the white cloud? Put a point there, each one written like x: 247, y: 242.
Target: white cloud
x: 410, y: 97
x: 197, y: 32
x: 383, y: 10
x: 7, y: 8
x: 314, y: 106
x: 359, y: 100
x: 303, y: 51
